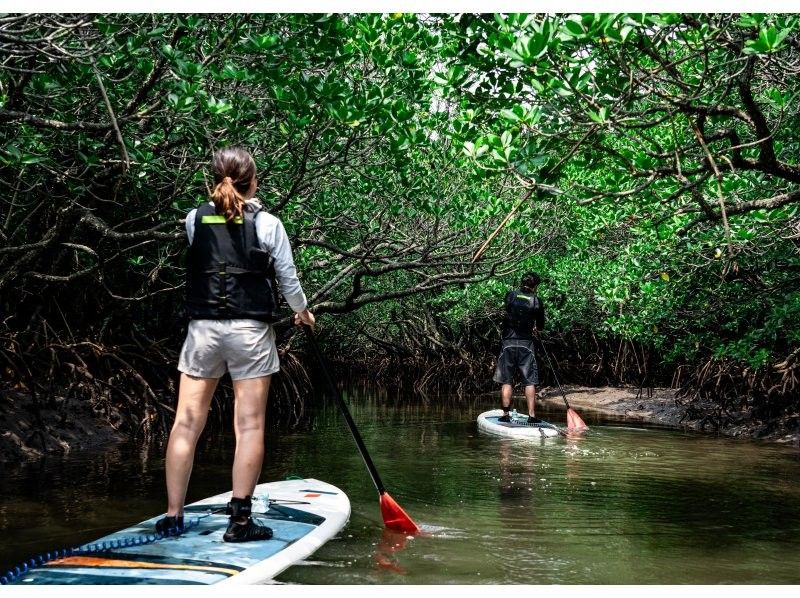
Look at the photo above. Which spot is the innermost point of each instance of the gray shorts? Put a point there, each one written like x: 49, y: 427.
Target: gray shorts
x: 516, y: 356
x: 245, y: 348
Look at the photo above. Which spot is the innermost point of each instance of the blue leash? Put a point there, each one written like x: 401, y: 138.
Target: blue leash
x: 141, y: 540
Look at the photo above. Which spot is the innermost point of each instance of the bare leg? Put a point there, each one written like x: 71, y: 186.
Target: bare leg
x: 530, y: 395
x: 194, y: 400
x: 505, y: 396
x: 249, y: 417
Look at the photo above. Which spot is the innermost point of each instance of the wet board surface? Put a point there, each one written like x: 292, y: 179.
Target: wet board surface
x: 488, y: 422
x: 303, y: 515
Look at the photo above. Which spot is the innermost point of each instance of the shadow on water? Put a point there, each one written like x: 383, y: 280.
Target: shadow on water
x: 621, y: 504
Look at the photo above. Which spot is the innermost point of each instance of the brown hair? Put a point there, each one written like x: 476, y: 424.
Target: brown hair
x: 234, y: 170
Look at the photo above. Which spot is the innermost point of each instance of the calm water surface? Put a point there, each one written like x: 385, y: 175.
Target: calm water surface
x: 623, y: 504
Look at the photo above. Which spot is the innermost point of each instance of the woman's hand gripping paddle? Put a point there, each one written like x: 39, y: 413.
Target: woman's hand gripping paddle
x: 394, y: 517
x: 574, y: 421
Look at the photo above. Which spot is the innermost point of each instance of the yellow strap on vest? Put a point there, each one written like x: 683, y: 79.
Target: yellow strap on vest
x: 219, y: 219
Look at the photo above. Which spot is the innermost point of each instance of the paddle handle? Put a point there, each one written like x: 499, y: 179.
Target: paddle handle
x: 552, y: 369
x: 376, y: 479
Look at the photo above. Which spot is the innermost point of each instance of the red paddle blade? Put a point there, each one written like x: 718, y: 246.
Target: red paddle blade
x: 394, y: 517
x: 574, y: 421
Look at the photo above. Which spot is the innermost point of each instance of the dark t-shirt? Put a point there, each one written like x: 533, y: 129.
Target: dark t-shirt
x: 522, y: 329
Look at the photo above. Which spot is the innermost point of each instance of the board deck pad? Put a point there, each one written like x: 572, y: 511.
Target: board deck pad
x: 488, y: 422
x: 303, y: 515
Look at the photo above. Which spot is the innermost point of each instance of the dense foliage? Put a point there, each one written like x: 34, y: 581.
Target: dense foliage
x: 672, y: 141
x: 645, y: 164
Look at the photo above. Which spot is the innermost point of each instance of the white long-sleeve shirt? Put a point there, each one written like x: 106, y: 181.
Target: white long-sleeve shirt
x: 273, y: 239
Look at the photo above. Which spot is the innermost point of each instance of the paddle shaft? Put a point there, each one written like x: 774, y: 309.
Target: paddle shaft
x: 376, y: 479
x: 550, y: 363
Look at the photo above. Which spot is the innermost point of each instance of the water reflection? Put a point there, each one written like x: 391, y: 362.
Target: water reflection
x: 517, y: 478
x: 386, y: 555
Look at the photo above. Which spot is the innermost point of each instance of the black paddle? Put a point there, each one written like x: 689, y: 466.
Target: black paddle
x: 574, y: 421
x: 394, y: 517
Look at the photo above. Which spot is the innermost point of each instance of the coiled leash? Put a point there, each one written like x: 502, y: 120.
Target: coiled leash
x: 96, y: 548
x: 126, y: 542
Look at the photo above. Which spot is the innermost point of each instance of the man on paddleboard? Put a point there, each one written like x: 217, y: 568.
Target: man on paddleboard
x: 524, y: 318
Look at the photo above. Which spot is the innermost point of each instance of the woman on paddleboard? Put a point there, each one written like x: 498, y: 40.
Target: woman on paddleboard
x: 237, y: 252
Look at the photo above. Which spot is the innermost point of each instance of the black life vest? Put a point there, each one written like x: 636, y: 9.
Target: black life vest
x: 228, y: 275
x: 521, y: 308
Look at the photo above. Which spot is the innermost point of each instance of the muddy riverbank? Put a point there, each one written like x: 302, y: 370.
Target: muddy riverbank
x: 663, y: 406
x: 28, y: 435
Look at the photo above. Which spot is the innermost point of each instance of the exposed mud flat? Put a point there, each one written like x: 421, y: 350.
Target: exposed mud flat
x: 662, y: 406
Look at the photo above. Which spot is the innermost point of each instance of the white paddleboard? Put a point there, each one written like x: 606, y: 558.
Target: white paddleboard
x: 303, y: 515
x: 518, y: 428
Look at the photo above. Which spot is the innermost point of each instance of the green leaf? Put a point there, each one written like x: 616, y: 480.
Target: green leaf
x: 537, y: 46
x: 28, y: 159
x: 575, y: 28
x: 13, y: 150
x: 107, y: 27
x: 265, y: 42
x: 509, y: 115
x: 218, y: 106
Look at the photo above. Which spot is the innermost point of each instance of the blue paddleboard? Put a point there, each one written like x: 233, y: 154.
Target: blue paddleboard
x: 303, y: 515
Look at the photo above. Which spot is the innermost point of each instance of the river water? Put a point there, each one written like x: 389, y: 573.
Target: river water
x: 622, y: 504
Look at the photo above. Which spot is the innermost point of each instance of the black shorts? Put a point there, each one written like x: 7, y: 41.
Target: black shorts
x: 516, y: 355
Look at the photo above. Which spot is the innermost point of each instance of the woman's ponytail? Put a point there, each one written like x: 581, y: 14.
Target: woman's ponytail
x: 227, y: 200
x: 234, y: 174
